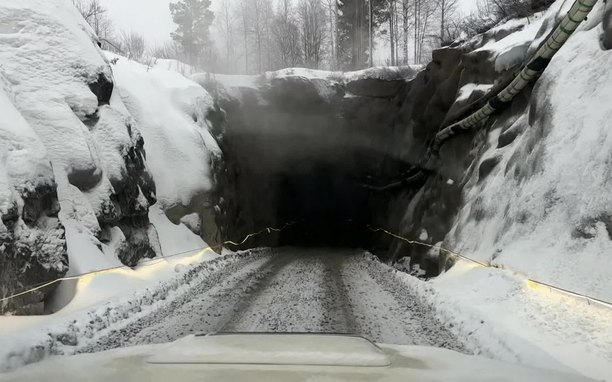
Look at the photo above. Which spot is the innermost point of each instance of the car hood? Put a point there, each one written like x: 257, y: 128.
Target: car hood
x: 280, y: 357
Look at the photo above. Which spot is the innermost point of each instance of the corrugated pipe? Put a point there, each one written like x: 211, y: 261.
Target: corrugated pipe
x: 578, y: 13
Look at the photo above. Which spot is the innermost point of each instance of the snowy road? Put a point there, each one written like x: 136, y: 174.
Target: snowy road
x: 292, y: 290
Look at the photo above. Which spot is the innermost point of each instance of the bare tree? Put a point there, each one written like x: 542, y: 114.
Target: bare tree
x: 133, y: 44
x: 169, y: 50
x: 312, y: 18
x: 424, y: 11
x: 491, y: 12
x: 243, y: 14
x: 96, y: 16
x: 332, y: 28
x: 447, y: 9
x: 405, y: 28
x: 226, y: 24
x: 260, y: 20
x: 285, y: 35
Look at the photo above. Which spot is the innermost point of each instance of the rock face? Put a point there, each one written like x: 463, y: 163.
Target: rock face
x: 298, y: 144
x: 512, y: 192
x: 33, y: 247
x: 77, y: 176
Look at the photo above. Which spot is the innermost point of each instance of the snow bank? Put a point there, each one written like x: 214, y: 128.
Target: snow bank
x: 105, y: 302
x: 171, y: 112
x: 499, y: 314
x: 546, y: 208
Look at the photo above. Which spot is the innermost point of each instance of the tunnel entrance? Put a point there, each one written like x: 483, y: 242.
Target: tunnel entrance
x: 299, y: 151
x: 326, y: 206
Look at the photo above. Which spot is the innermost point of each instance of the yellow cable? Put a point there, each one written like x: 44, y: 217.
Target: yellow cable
x: 144, y: 263
x: 272, y: 229
x: 568, y: 292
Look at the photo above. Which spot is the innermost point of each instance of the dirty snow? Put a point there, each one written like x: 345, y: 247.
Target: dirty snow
x: 107, y: 301
x: 490, y: 312
x: 291, y: 290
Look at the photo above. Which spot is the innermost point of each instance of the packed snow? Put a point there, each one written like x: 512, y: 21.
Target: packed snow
x: 493, y: 313
x: 337, y: 356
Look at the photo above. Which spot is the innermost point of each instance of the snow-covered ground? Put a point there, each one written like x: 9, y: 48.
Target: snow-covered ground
x: 107, y: 301
x: 291, y: 290
x: 490, y: 312
x: 501, y: 315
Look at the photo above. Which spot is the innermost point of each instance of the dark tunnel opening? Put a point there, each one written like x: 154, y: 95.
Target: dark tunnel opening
x: 327, y: 208
x: 316, y: 186
x: 293, y: 156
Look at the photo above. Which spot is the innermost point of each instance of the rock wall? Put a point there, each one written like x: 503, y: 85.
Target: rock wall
x: 298, y: 146
x: 514, y: 192
x: 77, y: 176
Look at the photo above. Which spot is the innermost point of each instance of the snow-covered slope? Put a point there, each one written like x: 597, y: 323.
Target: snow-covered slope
x: 72, y: 138
x: 172, y: 113
x: 546, y: 207
x: 530, y: 191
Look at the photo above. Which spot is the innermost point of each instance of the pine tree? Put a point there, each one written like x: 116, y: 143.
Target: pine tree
x: 193, y: 19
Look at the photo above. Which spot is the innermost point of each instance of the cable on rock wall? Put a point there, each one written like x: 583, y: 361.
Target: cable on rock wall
x: 556, y: 39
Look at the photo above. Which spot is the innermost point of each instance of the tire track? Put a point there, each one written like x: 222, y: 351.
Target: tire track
x: 203, y: 309
x: 293, y: 290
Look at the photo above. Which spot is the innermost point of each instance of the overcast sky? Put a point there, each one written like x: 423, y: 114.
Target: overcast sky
x: 150, y: 18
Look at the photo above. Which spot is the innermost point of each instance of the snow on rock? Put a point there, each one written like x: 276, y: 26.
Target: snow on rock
x: 174, y: 116
x: 75, y: 181
x: 63, y: 88
x: 181, y: 126
x: 381, y: 82
x: 531, y: 189
x: 545, y: 207
x: 468, y: 90
x: 32, y: 245
x: 510, y: 51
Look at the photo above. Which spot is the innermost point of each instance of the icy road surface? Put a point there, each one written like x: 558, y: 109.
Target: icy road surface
x: 292, y: 290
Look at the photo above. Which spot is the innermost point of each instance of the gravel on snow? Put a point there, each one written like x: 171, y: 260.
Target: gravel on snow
x: 292, y: 290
